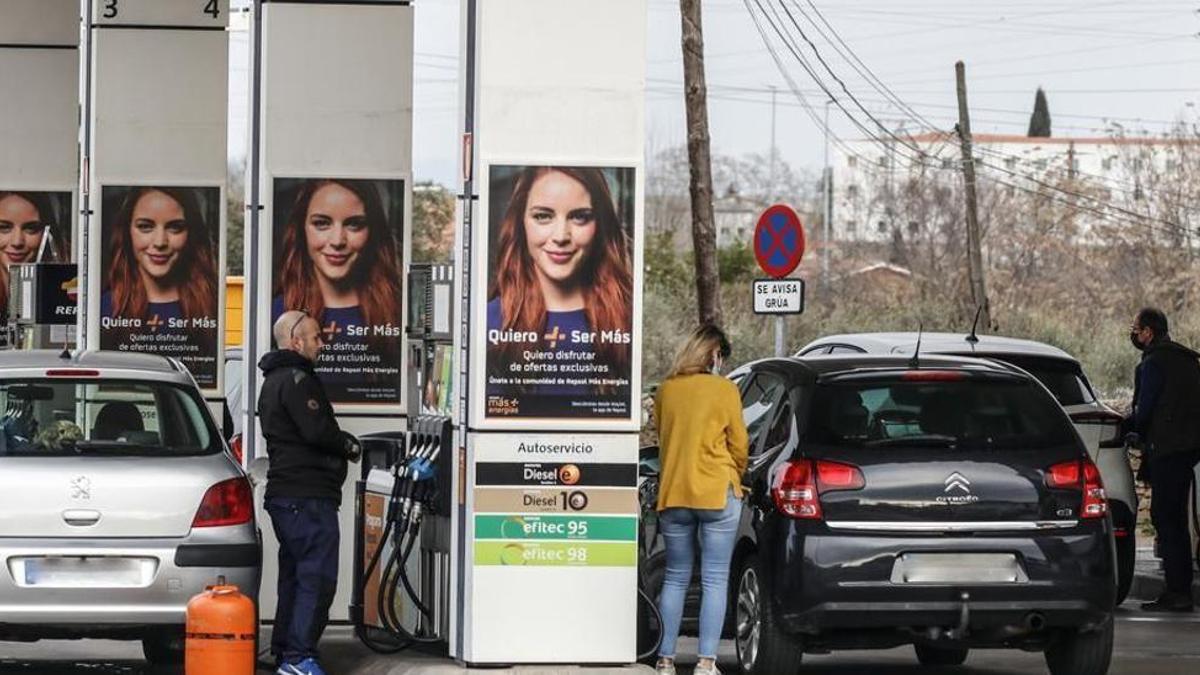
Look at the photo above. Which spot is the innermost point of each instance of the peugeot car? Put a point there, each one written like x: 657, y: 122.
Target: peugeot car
x: 945, y: 502
x: 1097, y: 424
x: 118, y: 500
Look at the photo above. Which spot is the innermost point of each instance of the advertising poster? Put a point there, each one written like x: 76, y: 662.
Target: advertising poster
x: 35, y: 226
x: 338, y: 256
x: 160, y: 279
x: 560, y: 292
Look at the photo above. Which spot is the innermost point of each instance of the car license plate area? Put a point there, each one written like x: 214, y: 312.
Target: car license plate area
x: 84, y: 572
x: 958, y: 568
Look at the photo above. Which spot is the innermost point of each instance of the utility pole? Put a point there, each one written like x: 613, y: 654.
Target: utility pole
x: 779, y: 327
x: 826, y: 204
x: 974, y: 246
x: 771, y: 179
x: 704, y: 235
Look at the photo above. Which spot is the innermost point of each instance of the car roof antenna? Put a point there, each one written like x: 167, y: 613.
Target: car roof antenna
x: 915, y: 361
x: 974, y: 337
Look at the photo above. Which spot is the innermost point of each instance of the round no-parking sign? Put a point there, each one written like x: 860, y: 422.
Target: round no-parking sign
x: 779, y: 240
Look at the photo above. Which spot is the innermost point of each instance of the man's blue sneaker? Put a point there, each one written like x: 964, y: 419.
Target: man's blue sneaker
x: 308, y: 666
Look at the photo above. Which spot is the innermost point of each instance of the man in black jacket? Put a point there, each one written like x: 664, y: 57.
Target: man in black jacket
x: 308, y: 454
x: 1166, y: 420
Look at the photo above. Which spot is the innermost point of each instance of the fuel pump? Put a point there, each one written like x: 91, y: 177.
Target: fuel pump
x: 402, y: 535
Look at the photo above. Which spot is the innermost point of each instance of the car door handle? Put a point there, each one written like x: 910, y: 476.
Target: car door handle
x: 81, y: 517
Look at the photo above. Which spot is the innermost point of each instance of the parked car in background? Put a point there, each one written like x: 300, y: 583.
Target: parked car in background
x: 1061, y: 373
x: 946, y: 503
x: 234, y: 408
x: 118, y: 497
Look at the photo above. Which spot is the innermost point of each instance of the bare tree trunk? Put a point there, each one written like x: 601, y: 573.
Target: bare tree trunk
x: 704, y: 235
x: 974, y: 245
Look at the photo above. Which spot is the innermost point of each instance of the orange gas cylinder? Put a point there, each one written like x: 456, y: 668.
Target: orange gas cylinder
x: 220, y: 632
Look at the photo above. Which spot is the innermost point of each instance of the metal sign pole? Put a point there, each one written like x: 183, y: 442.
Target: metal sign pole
x: 251, y: 245
x: 779, y: 336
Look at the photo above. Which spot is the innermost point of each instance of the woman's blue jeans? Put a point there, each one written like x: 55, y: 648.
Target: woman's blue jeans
x: 717, y: 530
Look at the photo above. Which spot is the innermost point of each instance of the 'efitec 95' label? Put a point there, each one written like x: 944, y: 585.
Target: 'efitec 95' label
x: 604, y: 528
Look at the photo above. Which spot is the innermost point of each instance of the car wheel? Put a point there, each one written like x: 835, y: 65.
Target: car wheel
x: 762, y: 648
x: 1126, y: 560
x: 164, y: 646
x: 1082, y: 653
x: 940, y: 656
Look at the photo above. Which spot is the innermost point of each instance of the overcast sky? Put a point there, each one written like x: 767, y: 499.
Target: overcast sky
x: 1136, y: 62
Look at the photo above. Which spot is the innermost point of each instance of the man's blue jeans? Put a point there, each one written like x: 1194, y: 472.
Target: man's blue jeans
x: 307, y: 530
x: 717, y: 530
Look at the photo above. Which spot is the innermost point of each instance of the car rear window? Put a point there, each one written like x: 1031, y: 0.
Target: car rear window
x: 56, y: 417
x: 968, y: 413
x: 1064, y: 379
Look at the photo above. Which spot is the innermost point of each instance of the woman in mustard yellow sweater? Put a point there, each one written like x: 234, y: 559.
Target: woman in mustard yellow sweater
x: 702, y: 449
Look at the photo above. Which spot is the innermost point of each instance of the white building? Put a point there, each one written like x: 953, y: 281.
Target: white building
x: 735, y: 217
x: 870, y: 177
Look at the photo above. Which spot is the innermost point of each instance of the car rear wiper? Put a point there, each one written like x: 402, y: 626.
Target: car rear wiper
x: 118, y: 448
x: 939, y: 440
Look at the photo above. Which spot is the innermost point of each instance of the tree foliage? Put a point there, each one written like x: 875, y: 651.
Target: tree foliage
x: 1039, y: 121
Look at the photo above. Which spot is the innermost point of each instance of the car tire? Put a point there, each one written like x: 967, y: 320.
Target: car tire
x: 940, y: 656
x: 1082, y: 653
x: 1126, y: 561
x: 164, y: 646
x: 762, y: 648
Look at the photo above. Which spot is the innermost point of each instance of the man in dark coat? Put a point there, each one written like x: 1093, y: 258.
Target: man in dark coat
x: 308, y: 454
x: 1166, y: 421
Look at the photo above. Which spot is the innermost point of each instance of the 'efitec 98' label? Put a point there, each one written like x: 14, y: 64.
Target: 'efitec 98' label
x: 555, y: 554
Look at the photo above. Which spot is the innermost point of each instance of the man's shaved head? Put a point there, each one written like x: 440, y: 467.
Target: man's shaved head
x: 285, y: 327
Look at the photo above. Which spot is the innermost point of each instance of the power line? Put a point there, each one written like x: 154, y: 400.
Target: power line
x: 920, y: 154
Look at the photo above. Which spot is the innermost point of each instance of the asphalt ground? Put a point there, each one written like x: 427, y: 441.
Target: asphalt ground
x: 1144, y: 644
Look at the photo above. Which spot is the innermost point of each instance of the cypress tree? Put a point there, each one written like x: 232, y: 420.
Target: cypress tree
x: 1039, y: 122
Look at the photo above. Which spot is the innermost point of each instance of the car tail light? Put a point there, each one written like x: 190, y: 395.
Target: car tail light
x: 1081, y: 475
x: 838, y: 476
x: 799, y: 484
x: 933, y: 376
x: 795, y: 490
x: 1097, y: 417
x: 235, y: 447
x: 72, y: 372
x: 229, y: 502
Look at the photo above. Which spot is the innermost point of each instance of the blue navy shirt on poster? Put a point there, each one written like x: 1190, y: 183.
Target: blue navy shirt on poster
x: 556, y: 339
x: 163, y: 310
x: 333, y: 322
x: 340, y: 363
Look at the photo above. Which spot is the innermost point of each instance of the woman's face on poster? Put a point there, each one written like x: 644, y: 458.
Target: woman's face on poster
x: 335, y: 230
x: 158, y: 233
x: 559, y: 226
x: 21, y: 230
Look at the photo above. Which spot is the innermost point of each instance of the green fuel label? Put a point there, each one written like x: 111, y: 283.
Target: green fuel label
x: 615, y: 528
x: 556, y: 553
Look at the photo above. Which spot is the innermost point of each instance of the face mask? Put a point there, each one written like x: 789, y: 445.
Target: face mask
x: 1133, y: 338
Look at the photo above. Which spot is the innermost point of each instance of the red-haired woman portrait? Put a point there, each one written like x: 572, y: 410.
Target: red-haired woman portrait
x: 338, y: 258
x: 30, y: 231
x: 560, y: 303
x: 160, y: 278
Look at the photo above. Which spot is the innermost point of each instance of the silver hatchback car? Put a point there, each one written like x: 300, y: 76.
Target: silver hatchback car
x: 118, y: 500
